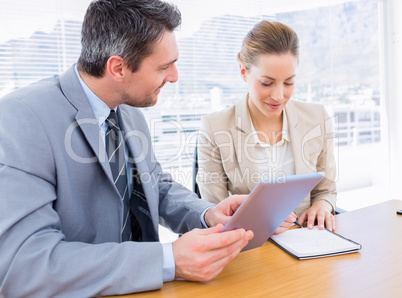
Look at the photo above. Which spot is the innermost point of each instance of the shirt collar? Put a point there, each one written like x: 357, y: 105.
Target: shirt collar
x: 99, y: 107
x: 285, y: 133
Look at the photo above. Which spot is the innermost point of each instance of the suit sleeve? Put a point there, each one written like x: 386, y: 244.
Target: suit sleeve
x: 36, y: 260
x: 211, y: 177
x: 326, y: 188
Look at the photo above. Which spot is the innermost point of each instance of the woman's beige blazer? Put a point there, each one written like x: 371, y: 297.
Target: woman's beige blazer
x: 226, y: 156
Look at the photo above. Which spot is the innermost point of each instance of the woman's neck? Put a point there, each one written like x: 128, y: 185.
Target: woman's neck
x: 269, y: 129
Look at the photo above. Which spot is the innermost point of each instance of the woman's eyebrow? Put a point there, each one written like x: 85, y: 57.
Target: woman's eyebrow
x: 268, y: 77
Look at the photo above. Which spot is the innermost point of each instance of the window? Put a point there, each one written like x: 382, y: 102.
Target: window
x: 339, y: 67
x: 341, y: 61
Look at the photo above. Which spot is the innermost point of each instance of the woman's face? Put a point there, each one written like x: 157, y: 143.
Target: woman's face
x: 270, y: 83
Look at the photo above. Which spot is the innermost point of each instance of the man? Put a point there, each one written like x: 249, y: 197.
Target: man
x: 75, y: 221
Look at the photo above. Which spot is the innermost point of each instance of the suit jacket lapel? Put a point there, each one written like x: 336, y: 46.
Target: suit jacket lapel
x: 85, y: 117
x: 243, y: 144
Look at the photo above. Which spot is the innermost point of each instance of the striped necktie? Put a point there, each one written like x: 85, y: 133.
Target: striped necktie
x: 115, y: 152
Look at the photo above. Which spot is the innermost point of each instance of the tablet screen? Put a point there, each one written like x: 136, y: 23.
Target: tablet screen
x: 269, y: 204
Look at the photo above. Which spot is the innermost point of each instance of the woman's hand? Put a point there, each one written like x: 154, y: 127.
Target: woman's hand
x: 322, y: 212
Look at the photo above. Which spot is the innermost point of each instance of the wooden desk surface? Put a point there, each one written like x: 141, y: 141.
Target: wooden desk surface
x: 267, y: 271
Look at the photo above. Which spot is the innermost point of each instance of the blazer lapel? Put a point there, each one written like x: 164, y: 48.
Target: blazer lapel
x: 243, y: 145
x: 298, y: 133
x: 85, y: 118
x: 90, y: 129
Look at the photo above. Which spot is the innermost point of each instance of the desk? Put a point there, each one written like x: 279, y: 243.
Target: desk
x: 267, y: 271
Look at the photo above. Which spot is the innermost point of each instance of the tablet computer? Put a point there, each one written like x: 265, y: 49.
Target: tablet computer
x: 269, y: 204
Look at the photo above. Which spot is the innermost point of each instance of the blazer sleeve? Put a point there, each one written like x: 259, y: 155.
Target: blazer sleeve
x: 211, y: 177
x: 326, y: 188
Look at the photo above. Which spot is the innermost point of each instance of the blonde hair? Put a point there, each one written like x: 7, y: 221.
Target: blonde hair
x: 268, y: 38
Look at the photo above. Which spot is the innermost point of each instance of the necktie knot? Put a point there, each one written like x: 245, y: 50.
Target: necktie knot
x: 113, y: 121
x: 115, y: 152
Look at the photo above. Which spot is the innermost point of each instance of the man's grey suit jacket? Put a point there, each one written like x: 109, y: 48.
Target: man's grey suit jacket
x: 60, y: 213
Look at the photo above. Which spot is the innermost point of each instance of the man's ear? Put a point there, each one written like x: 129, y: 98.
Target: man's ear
x: 116, y: 67
x: 243, y: 72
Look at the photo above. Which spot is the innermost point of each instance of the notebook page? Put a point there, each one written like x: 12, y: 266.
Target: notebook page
x: 305, y: 242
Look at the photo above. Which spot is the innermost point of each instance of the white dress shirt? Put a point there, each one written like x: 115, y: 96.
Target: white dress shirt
x: 274, y: 161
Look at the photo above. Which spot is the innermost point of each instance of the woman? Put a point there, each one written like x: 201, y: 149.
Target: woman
x: 267, y: 135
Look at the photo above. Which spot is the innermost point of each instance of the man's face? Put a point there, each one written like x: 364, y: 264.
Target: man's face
x: 141, y: 88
